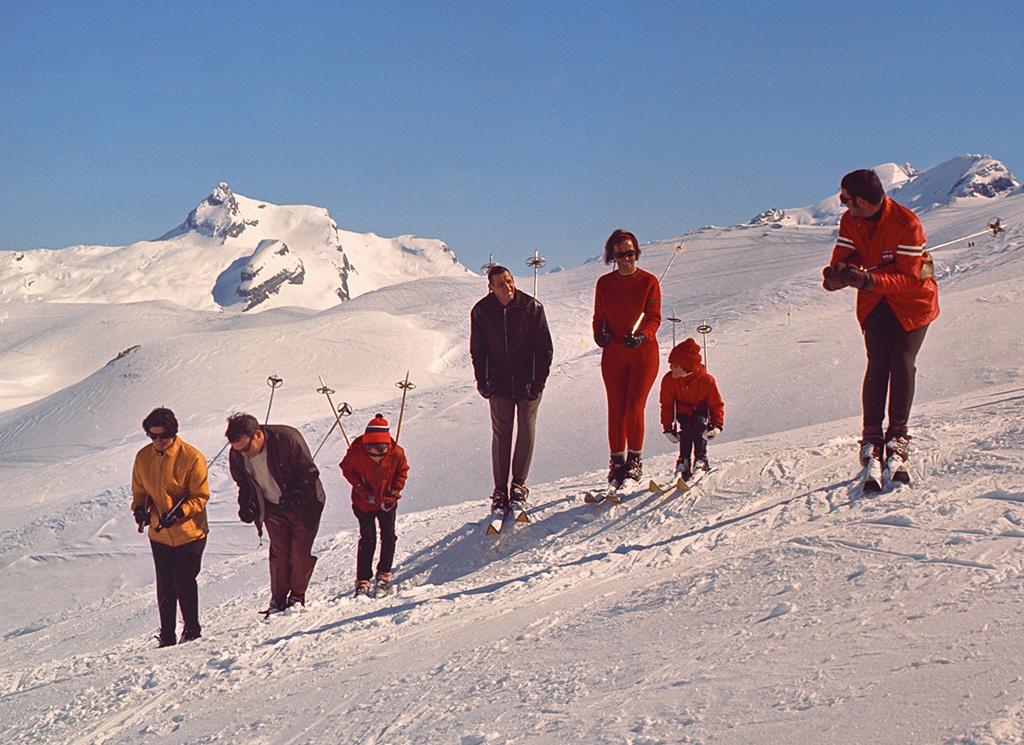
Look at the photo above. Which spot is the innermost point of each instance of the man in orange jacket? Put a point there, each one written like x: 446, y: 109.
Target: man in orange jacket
x: 169, y: 494
x: 880, y: 252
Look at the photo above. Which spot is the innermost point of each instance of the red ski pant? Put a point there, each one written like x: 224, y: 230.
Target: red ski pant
x: 629, y: 375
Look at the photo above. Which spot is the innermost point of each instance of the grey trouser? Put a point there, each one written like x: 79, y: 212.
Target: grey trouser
x: 504, y: 413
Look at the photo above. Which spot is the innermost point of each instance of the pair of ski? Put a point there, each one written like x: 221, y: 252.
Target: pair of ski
x: 497, y: 521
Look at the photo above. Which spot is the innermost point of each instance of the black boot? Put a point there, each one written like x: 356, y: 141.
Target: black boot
x: 616, y: 470
x: 634, y: 468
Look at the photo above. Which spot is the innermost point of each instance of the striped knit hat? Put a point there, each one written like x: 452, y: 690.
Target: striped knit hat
x: 377, y: 430
x: 685, y: 354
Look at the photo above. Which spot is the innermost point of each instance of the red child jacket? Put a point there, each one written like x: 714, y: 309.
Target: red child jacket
x: 892, y: 250
x: 686, y: 395
x: 372, y: 481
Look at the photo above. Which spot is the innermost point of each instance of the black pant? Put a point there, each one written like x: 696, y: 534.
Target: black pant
x: 176, y: 570
x: 892, y: 356
x: 691, y: 434
x: 368, y: 542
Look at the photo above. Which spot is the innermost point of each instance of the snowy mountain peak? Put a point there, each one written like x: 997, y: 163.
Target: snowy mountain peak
x: 963, y: 177
x: 966, y: 176
x: 217, y: 216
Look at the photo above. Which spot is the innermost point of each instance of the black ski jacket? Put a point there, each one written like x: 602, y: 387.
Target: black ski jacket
x: 293, y: 469
x: 510, y: 345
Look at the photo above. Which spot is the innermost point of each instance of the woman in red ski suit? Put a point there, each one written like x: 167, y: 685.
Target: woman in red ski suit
x: 627, y: 314
x: 376, y: 467
x: 690, y: 398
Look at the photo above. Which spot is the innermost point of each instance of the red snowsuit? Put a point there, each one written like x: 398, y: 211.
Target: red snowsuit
x: 696, y: 392
x: 372, y: 482
x: 628, y: 373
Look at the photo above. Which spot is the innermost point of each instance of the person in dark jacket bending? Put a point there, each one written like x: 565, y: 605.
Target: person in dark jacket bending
x: 278, y: 486
x: 511, y: 349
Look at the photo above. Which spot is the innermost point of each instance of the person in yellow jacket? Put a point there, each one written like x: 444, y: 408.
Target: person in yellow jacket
x: 169, y: 494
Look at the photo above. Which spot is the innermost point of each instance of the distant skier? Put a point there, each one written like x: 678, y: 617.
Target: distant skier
x: 692, y: 410
x: 278, y: 486
x: 377, y: 468
x: 880, y: 251
x: 511, y: 349
x: 627, y: 314
x: 169, y: 494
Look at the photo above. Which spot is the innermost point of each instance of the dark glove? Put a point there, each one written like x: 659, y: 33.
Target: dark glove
x: 602, y: 339
x: 832, y: 276
x: 172, y: 517
x: 634, y: 340
x: 485, y: 388
x: 290, y: 500
x: 389, y: 502
x: 364, y: 492
x: 246, y: 513
x: 856, y: 277
x: 671, y: 435
x: 534, y: 389
x: 141, y: 517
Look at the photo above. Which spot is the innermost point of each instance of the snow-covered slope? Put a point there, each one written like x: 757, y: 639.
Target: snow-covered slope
x: 963, y: 177
x: 773, y: 603
x: 230, y: 252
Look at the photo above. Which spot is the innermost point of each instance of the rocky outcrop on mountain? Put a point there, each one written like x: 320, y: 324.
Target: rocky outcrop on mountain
x: 217, y: 216
x: 269, y: 267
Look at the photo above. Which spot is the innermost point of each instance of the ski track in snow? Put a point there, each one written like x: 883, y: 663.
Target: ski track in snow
x: 577, y: 576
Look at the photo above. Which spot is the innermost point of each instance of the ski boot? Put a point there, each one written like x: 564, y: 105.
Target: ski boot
x: 616, y: 470
x: 188, y: 635
x: 362, y: 588
x: 634, y: 467
x: 871, y: 459
x: 383, y: 582
x: 897, y: 456
x: 683, y: 469
x: 499, y: 501
x: 294, y: 599
x: 517, y: 502
x: 701, y: 464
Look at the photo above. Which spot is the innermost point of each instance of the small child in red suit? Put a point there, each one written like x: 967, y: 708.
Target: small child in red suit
x: 376, y: 467
x: 692, y: 410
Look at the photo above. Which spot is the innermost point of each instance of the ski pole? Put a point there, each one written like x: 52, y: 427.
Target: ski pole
x: 274, y: 382
x: 994, y: 228
x: 680, y: 248
x: 704, y: 329
x: 406, y: 386
x: 674, y: 321
x: 638, y: 322
x: 535, y: 262
x: 177, y: 504
x: 344, y: 409
x: 327, y: 392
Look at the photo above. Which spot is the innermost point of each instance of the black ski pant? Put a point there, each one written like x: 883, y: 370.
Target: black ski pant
x: 506, y: 412
x: 176, y: 570
x: 691, y: 434
x: 368, y: 522
x: 892, y: 357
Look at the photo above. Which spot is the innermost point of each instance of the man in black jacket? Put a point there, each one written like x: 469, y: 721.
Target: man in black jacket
x: 278, y: 486
x: 511, y: 349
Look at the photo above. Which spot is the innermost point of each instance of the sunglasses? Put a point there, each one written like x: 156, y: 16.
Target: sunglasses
x: 378, y: 449
x: 845, y: 199
x: 624, y: 254
x: 160, y: 435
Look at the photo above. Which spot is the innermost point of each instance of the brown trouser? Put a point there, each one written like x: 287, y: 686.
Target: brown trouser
x: 291, y: 560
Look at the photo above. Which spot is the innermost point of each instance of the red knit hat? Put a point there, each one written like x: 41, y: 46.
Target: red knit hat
x: 685, y: 354
x: 377, y: 431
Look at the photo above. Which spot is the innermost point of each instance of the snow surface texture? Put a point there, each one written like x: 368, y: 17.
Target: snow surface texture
x: 773, y: 603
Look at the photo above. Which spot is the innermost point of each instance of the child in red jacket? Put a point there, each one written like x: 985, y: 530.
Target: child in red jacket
x: 376, y: 467
x: 690, y: 398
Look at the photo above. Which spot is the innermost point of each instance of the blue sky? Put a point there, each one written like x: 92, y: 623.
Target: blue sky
x: 497, y: 127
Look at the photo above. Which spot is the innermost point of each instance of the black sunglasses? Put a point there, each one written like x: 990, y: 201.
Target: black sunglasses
x: 160, y: 435
x: 624, y: 254
x: 376, y: 448
x: 845, y: 199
